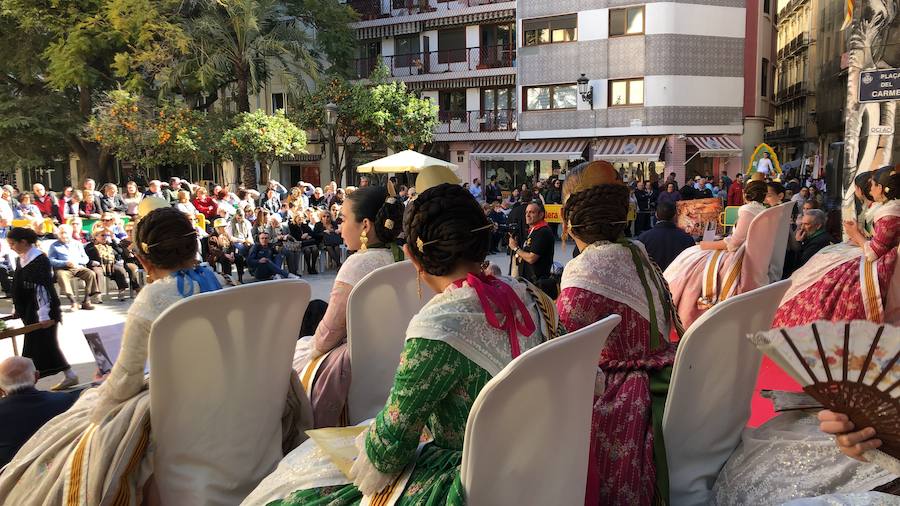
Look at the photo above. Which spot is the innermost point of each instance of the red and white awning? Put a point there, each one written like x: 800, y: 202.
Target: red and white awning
x: 530, y: 150
x: 715, y: 146
x: 629, y: 149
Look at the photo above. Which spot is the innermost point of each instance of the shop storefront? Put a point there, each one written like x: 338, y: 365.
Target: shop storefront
x: 636, y: 158
x: 518, y: 163
x: 710, y: 155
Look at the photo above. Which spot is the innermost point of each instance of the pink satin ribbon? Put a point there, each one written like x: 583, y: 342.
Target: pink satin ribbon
x: 495, y: 295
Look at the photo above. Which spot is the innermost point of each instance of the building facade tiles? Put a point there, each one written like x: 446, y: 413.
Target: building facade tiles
x: 538, y: 8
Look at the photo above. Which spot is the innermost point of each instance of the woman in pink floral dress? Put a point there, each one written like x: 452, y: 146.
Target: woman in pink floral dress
x: 830, y: 287
x: 614, y: 275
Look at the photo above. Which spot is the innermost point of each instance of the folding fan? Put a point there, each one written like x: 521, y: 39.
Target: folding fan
x: 849, y: 367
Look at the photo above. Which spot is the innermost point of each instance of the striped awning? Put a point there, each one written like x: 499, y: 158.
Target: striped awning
x: 629, y: 149
x: 530, y: 150
x: 304, y: 157
x: 472, y: 18
x: 388, y: 30
x: 715, y: 145
x: 463, y: 82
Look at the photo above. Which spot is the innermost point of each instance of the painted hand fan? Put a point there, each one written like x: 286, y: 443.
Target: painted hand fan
x: 849, y: 367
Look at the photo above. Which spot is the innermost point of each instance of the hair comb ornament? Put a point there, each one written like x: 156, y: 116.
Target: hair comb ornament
x: 420, y: 245
x: 389, y: 224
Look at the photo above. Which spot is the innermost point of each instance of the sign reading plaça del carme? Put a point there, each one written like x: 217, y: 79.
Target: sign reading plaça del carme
x: 879, y: 85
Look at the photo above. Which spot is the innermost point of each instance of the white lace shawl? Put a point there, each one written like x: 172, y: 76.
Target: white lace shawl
x: 363, y: 262
x: 455, y: 317
x: 608, y: 269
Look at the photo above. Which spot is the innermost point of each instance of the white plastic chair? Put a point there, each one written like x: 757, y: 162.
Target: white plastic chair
x: 766, y: 246
x: 711, y: 389
x: 220, y: 370
x: 528, y: 433
x: 378, y: 311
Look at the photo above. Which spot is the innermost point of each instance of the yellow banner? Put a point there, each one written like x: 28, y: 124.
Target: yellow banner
x: 554, y: 213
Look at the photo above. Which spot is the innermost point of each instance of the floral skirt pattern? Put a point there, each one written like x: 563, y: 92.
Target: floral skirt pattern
x: 836, y: 296
x: 434, y: 482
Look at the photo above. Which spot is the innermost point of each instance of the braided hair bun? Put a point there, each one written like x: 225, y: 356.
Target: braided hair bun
x: 166, y: 238
x: 384, y: 211
x: 595, y: 212
x: 445, y: 227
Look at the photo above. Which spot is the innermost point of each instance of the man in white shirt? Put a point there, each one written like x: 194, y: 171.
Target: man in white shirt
x: 764, y: 165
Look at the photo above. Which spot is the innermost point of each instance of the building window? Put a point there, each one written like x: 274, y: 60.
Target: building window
x: 406, y: 49
x: 452, y: 105
x: 550, y: 30
x: 628, y: 21
x: 767, y: 6
x: 277, y: 101
x: 452, y: 45
x: 559, y: 96
x: 764, y: 78
x: 626, y: 92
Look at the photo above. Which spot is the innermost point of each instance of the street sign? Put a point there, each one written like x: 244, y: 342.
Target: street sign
x: 881, y: 130
x: 879, y: 85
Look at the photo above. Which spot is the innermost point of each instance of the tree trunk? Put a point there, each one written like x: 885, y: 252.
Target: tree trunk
x: 94, y: 159
x: 264, y: 171
x: 242, y: 100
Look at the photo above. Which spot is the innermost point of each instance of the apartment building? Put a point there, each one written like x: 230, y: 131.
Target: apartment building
x: 655, y: 87
x: 459, y: 53
x: 794, y: 134
x: 525, y: 89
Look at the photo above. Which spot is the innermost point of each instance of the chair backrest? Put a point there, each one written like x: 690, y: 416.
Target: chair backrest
x: 378, y: 311
x: 766, y: 246
x: 528, y: 433
x: 711, y: 389
x: 220, y: 370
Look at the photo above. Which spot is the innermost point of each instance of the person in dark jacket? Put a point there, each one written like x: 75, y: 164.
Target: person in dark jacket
x: 811, y: 237
x: 665, y: 241
x: 24, y: 409
x: 111, y: 201
x: 264, y: 262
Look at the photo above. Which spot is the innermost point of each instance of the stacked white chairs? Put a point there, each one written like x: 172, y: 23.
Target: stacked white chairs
x: 378, y: 311
x: 711, y: 389
x: 220, y: 370
x: 528, y: 433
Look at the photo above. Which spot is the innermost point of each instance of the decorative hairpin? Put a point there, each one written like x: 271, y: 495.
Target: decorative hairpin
x: 146, y: 247
x: 390, y: 200
x: 389, y: 224
x: 421, y: 245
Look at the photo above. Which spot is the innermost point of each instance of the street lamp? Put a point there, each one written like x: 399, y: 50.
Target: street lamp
x: 331, y: 116
x: 585, y: 90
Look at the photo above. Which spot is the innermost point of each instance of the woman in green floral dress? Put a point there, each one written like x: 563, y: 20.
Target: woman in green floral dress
x: 465, y: 335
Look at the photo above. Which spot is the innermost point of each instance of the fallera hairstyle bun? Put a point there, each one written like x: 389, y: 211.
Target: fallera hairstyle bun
x: 384, y: 210
x: 596, y: 202
x: 756, y: 191
x: 166, y: 238
x: 445, y: 226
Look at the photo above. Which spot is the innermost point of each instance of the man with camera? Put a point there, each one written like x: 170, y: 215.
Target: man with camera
x: 535, y: 257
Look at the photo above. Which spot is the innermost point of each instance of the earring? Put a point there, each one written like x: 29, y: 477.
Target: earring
x: 419, y: 284
x: 363, y: 240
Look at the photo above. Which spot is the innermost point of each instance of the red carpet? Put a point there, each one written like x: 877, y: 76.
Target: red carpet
x: 771, y: 377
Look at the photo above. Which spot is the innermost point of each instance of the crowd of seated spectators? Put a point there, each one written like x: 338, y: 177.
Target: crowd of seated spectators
x: 86, y: 232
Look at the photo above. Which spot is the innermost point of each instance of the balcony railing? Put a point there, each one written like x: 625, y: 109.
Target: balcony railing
x: 462, y: 122
x: 801, y: 41
x: 438, y: 62
x: 378, y: 9
x: 792, y: 92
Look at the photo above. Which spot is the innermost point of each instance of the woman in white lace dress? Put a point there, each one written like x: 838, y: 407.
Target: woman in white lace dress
x: 373, y: 218
x: 97, y: 450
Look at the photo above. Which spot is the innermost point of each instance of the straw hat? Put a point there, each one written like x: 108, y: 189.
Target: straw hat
x: 434, y: 175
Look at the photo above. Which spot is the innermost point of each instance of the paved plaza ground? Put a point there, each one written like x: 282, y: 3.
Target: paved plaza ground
x: 76, y: 350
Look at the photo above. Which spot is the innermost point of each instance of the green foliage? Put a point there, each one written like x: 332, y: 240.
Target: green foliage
x: 400, y: 118
x: 148, y: 133
x: 380, y: 115
x: 263, y: 137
